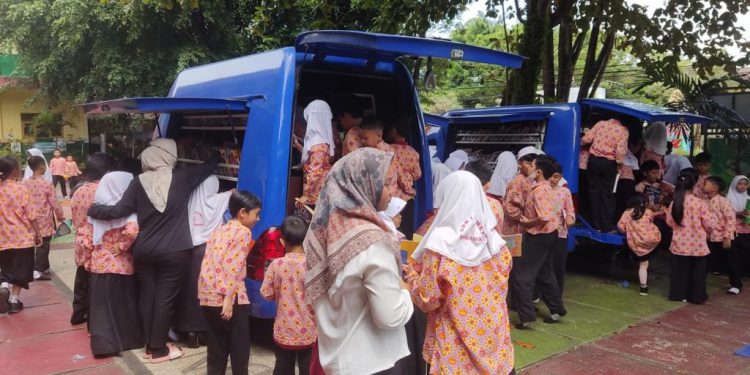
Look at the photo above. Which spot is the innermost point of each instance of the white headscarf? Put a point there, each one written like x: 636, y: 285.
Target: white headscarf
x: 110, y: 190
x: 158, y: 160
x: 631, y: 161
x: 395, y: 206
x: 206, y: 210
x: 439, y: 172
x: 655, y: 138
x: 505, y: 170
x: 457, y: 160
x: 737, y: 199
x: 464, y: 228
x: 675, y: 164
x: 319, y: 130
x: 28, y: 173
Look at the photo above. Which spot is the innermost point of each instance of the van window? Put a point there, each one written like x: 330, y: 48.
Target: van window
x: 202, y: 134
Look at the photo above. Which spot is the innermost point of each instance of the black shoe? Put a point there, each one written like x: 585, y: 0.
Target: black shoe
x: 523, y: 326
x: 553, y: 319
x: 4, y: 303
x: 644, y: 291
x: 43, y: 277
x: 193, y: 341
x: 15, y: 307
x: 77, y: 319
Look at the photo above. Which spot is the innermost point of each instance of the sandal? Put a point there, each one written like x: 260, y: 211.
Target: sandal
x: 174, y: 353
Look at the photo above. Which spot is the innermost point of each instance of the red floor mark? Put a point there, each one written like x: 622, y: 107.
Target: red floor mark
x: 739, y: 302
x: 110, y: 369
x: 713, y: 320
x: 36, y: 321
x: 48, y: 354
x: 679, y: 348
x: 592, y: 360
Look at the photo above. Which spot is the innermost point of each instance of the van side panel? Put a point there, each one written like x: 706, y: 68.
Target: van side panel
x: 264, y: 167
x: 562, y: 141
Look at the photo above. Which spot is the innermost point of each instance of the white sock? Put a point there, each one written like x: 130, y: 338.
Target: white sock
x: 13, y: 298
x: 37, y: 274
x: 555, y: 317
x: 4, y: 285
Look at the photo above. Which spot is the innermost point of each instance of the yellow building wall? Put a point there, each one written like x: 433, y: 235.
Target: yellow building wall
x: 15, y: 101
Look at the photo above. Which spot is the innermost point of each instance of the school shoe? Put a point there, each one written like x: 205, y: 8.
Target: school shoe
x: 41, y: 276
x: 644, y: 290
x: 4, y: 303
x: 733, y: 291
x: 523, y: 326
x: 553, y: 319
x: 15, y: 307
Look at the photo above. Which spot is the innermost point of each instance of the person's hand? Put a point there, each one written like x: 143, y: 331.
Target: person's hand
x: 727, y: 244
x: 300, y: 202
x: 226, y: 308
x: 745, y: 213
x: 37, y: 240
x: 409, y: 272
x: 116, y: 250
x: 404, y: 285
x: 296, y: 143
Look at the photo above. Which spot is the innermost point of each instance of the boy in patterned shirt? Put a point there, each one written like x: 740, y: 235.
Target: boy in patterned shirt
x: 48, y: 212
x: 703, y: 165
x: 721, y: 236
x: 221, y: 287
x: 294, y: 330
x: 534, y: 266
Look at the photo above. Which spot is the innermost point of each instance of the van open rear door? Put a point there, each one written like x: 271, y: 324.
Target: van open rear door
x: 383, y: 47
x: 164, y: 105
x: 645, y: 112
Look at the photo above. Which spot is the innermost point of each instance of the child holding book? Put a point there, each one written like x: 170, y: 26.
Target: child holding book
x: 19, y: 233
x: 295, y: 329
x: 48, y: 213
x: 221, y: 287
x: 637, y: 222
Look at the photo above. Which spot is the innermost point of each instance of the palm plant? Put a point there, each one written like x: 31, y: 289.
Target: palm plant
x: 697, y: 97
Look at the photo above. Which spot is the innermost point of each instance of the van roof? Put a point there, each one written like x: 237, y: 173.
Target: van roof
x: 644, y: 111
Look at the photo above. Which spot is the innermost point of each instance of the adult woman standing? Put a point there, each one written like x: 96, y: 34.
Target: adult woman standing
x: 160, y: 198
x: 353, y: 278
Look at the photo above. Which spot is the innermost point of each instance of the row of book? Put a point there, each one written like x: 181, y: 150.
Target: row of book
x: 195, y: 150
x: 527, y: 133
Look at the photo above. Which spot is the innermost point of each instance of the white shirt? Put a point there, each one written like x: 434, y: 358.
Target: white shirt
x: 362, y: 316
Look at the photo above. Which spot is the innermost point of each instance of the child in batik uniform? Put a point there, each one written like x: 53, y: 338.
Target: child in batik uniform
x: 294, y: 330
x: 221, y: 287
x: 518, y: 190
x: 637, y: 222
x: 318, y: 151
x: 19, y: 233
x: 48, y: 214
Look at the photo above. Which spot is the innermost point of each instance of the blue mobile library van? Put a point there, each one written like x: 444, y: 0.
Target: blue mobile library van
x: 244, y: 108
x: 555, y: 128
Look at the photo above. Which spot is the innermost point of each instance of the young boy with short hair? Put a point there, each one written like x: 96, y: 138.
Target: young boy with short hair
x: 721, y: 236
x: 48, y: 212
x: 518, y: 190
x: 407, y: 160
x: 294, y: 330
x: 566, y: 218
x: 703, y: 165
x: 57, y: 166
x: 651, y: 184
x: 534, y: 267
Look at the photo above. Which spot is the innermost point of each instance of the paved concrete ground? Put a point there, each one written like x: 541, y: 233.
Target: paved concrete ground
x: 610, y: 329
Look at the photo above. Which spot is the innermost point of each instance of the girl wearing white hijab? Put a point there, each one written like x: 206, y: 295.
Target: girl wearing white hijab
x: 113, y: 311
x: 461, y: 249
x: 317, y: 152
x: 457, y: 160
x: 28, y: 173
x: 655, y: 144
x: 392, y: 217
x: 675, y: 164
x: 205, y: 214
x: 739, y: 256
x: 160, y: 197
x: 505, y: 170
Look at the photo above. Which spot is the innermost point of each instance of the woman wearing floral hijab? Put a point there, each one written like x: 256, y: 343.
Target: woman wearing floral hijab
x: 353, y: 278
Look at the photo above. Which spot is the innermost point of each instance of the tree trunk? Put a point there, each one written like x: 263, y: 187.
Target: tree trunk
x: 523, y: 82
x: 548, y: 62
x: 565, y: 62
x: 590, y: 69
x: 603, y: 60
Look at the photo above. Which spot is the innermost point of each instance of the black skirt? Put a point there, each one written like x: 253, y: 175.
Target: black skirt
x: 115, y: 323
x: 17, y: 266
x: 188, y: 313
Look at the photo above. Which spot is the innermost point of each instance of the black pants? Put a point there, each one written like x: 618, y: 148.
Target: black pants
x: 601, y: 175
x: 718, y: 260
x: 739, y: 260
x: 584, y: 198
x: 159, y: 283
x: 60, y: 180
x: 534, y: 268
x: 41, y: 255
x: 286, y: 359
x: 228, y: 338
x: 625, y: 190
x: 688, y: 278
x: 559, y: 263
x: 81, y: 296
